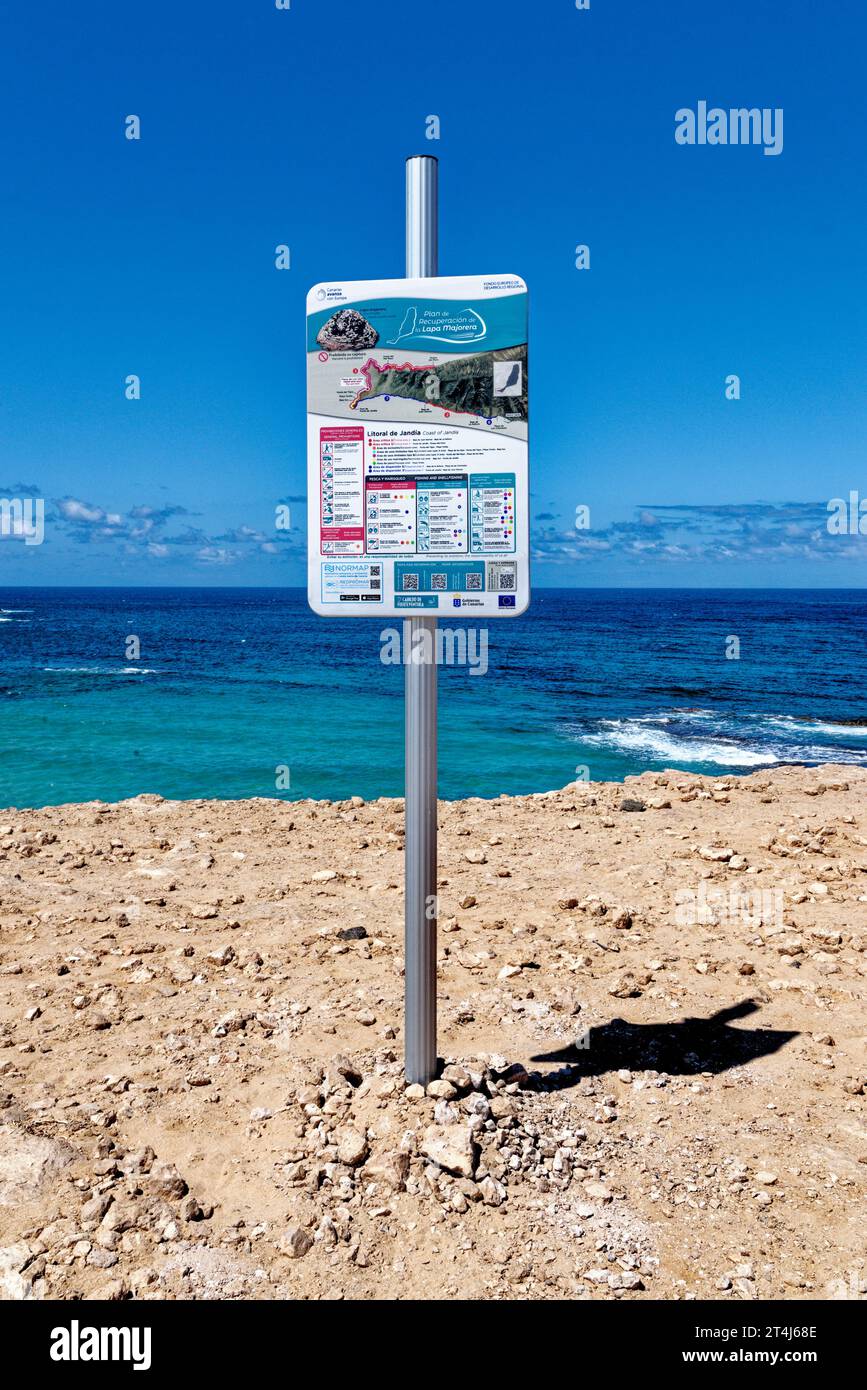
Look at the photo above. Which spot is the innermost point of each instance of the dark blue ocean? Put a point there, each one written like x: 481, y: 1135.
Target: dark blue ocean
x: 232, y: 684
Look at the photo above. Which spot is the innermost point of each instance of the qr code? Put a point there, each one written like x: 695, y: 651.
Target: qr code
x: 410, y: 582
x: 474, y: 581
x: 502, y: 576
x: 375, y: 571
x: 438, y: 581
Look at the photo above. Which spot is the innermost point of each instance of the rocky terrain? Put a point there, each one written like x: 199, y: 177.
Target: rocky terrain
x: 651, y: 1021
x: 464, y: 384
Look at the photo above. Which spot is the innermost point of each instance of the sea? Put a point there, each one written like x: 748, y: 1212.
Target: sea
x: 245, y: 692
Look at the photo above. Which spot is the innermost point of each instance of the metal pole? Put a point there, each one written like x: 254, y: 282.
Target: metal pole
x: 419, y: 638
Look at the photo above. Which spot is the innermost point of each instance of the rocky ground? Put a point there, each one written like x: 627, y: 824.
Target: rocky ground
x: 651, y: 1018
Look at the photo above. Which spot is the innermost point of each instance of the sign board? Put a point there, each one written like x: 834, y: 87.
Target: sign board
x: 417, y: 448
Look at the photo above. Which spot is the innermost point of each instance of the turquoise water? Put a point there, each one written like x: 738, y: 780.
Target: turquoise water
x: 232, y: 684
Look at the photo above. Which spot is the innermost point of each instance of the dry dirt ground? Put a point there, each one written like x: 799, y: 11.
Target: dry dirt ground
x: 651, y: 1011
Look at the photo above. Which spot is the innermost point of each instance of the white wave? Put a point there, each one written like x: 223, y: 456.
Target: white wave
x: 825, y: 753
x: 675, y: 716
x: 819, y: 726
x: 653, y: 719
x: 102, y: 670
x: 661, y: 746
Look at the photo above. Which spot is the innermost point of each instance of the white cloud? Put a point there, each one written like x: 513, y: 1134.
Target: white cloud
x: 74, y: 510
x: 216, y: 555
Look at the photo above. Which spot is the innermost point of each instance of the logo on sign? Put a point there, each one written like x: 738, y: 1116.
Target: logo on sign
x: 444, y: 324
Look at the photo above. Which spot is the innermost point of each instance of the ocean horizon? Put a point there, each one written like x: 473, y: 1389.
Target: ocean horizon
x: 243, y: 692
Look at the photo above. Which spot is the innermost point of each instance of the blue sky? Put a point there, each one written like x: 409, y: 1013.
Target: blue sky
x: 262, y: 126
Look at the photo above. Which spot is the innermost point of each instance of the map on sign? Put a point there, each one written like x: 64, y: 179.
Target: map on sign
x: 417, y: 447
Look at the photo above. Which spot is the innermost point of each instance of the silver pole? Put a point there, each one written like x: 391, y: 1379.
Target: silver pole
x: 419, y: 638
